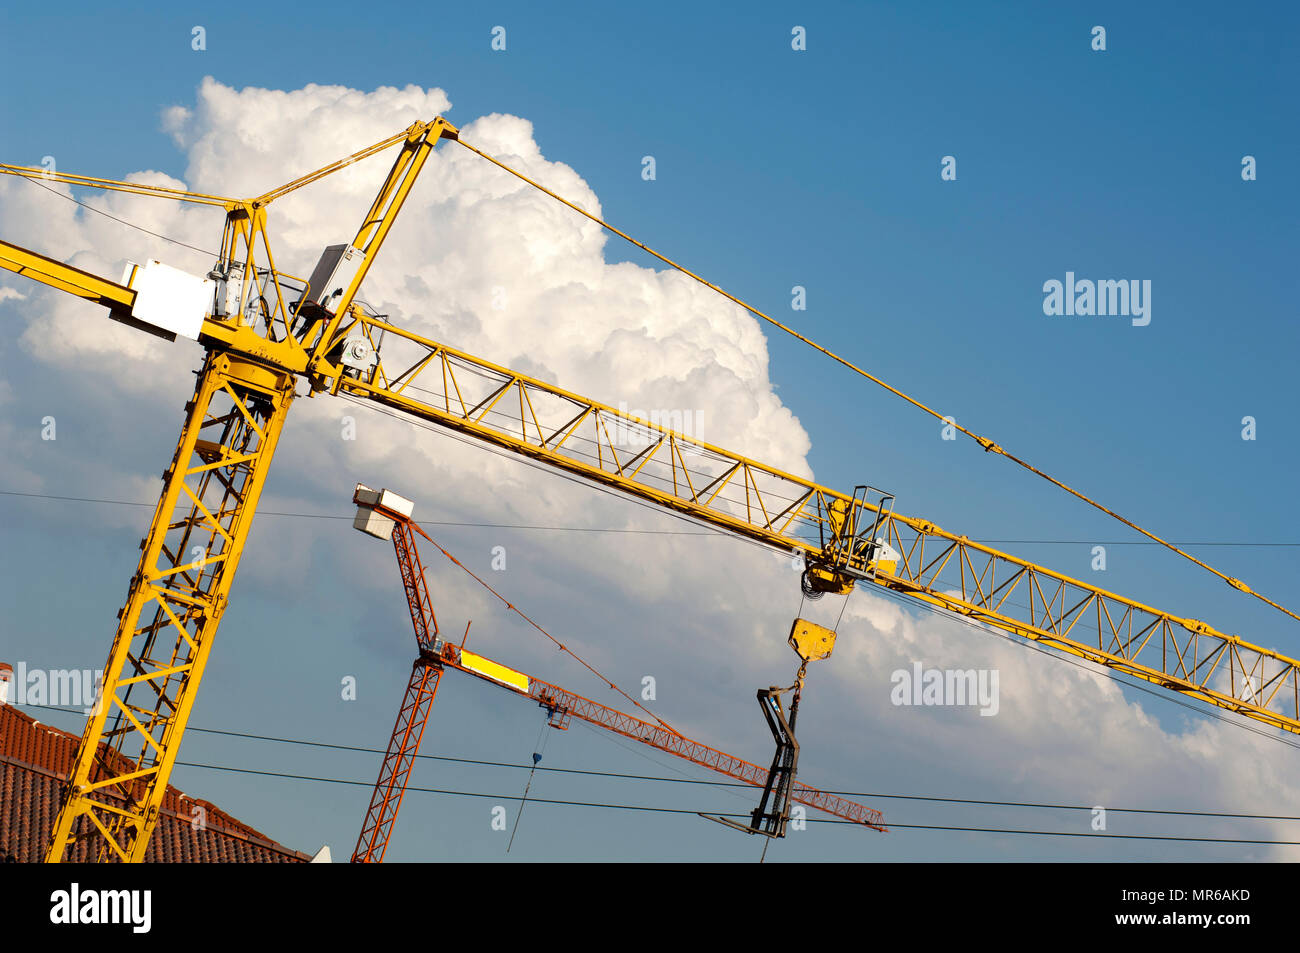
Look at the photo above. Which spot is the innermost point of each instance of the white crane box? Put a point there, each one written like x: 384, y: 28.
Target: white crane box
x: 373, y: 523
x: 168, y: 298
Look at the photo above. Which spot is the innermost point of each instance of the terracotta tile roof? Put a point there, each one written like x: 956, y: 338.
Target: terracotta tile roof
x: 36, y: 758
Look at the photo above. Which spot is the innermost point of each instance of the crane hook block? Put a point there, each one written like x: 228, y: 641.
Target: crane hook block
x: 811, y: 641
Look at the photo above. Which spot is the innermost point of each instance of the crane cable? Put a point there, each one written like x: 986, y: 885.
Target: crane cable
x: 538, y: 747
x: 560, y: 645
x: 989, y: 445
x: 122, y: 221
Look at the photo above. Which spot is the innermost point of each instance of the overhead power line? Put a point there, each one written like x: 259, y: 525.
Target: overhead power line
x: 672, y: 810
x: 715, y: 533
x: 710, y: 531
x: 987, y: 444
x: 702, y: 782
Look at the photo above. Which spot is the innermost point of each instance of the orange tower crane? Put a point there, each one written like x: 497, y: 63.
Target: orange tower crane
x: 383, y: 514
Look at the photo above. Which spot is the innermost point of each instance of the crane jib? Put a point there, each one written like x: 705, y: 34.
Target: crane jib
x: 779, y: 509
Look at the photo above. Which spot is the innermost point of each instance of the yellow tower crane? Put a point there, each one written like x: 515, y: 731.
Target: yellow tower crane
x: 265, y: 330
x: 259, y: 342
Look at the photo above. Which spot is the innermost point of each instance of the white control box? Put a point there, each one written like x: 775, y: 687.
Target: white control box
x: 168, y: 298
x: 337, y: 267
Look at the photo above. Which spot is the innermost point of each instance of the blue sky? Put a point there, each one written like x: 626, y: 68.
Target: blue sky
x: 774, y: 169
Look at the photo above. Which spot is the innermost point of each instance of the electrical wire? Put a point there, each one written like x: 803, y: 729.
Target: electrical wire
x: 730, y: 788
x: 753, y: 542
x: 719, y: 534
x: 712, y: 532
x: 987, y: 444
x: 708, y: 530
x: 614, y: 775
x: 672, y: 810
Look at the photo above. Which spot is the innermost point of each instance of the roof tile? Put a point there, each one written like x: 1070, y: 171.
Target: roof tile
x: 34, y: 761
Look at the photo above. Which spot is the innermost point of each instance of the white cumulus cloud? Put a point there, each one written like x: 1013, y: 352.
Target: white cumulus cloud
x: 713, y: 613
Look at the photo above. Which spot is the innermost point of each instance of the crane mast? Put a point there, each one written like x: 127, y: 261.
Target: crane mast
x: 395, y: 769
x: 422, y: 687
x: 259, y: 343
x: 174, y: 604
x: 265, y: 330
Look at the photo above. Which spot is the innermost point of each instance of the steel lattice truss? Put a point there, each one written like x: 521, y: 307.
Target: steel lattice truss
x: 566, y: 704
x: 439, y: 384
x: 395, y: 770
x: 175, y: 600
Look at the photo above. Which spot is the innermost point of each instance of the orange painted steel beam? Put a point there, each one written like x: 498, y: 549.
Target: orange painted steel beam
x: 562, y: 705
x: 403, y: 746
x: 408, y: 730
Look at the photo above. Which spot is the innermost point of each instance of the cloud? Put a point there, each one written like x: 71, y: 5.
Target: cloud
x: 707, y: 615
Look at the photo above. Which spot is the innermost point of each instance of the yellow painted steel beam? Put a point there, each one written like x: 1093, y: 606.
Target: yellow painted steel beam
x: 310, y: 177
x: 420, y: 140
x: 115, y: 185
x: 225, y: 336
x: 430, y: 381
x: 210, y: 494
x: 117, y: 298
x: 174, y: 606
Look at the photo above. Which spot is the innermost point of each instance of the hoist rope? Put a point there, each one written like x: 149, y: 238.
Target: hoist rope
x: 984, y: 442
x: 538, y: 746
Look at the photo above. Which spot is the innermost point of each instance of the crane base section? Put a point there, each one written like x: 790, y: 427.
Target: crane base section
x: 174, y: 604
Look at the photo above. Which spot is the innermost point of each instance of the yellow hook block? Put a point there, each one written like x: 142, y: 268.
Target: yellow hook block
x: 811, y: 641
